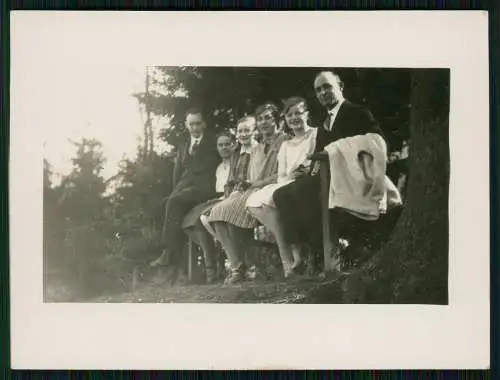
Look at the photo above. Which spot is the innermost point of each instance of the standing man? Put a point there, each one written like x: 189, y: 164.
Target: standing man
x: 194, y: 182
x: 298, y: 203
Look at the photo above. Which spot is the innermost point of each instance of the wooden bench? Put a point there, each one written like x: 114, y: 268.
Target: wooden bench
x: 263, y: 235
x: 331, y: 252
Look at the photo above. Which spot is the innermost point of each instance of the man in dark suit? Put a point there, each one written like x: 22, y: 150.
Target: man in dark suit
x: 194, y: 182
x: 299, y: 203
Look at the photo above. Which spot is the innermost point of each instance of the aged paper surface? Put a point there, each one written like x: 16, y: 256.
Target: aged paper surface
x: 46, y: 46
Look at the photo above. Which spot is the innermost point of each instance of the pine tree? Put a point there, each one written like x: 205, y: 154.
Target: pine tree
x: 84, y: 187
x: 82, y: 207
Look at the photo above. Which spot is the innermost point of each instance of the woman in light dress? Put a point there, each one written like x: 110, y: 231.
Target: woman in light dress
x: 293, y: 162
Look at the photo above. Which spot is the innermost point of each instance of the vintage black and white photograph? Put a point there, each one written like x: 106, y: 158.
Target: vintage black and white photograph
x: 250, y: 185
x: 249, y: 190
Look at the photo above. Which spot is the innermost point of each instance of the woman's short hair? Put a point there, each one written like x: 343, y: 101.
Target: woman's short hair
x: 226, y: 133
x: 268, y: 106
x: 289, y: 103
x: 293, y: 101
x: 243, y: 119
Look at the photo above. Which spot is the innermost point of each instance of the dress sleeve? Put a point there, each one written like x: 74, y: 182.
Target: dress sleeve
x: 312, y: 140
x: 312, y: 146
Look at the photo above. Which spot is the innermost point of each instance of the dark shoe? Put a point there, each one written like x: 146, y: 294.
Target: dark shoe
x: 255, y: 274
x: 299, y: 269
x: 296, y: 273
x: 236, y: 276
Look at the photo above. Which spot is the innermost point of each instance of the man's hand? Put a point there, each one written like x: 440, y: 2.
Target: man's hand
x: 300, y: 172
x: 395, y: 156
x: 315, y: 169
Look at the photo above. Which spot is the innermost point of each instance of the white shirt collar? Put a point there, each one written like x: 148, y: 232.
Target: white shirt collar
x: 335, y: 109
x: 196, y: 139
x: 245, y: 149
x: 221, y: 176
x: 225, y: 164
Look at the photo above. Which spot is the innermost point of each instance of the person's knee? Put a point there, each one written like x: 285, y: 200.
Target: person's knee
x: 198, y: 226
x: 286, y: 195
x: 190, y: 233
x: 176, y: 204
x: 219, y: 226
x: 204, y: 221
x: 255, y: 212
x: 200, y: 231
x: 281, y: 195
x: 206, y: 225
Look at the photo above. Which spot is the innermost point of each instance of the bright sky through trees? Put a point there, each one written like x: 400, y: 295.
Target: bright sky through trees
x: 95, y: 102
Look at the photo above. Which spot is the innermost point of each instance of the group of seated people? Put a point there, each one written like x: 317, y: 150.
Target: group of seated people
x: 226, y: 185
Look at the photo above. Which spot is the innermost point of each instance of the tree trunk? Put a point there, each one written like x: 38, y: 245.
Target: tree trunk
x: 412, y: 267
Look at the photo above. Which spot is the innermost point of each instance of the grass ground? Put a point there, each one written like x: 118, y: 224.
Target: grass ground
x: 158, y: 291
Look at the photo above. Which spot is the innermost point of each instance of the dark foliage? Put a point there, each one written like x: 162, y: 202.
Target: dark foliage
x: 99, y: 238
x: 227, y: 93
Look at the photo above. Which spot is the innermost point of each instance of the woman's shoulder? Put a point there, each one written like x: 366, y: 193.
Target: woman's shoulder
x: 309, y: 135
x: 282, y: 138
x: 257, y: 147
x: 313, y: 132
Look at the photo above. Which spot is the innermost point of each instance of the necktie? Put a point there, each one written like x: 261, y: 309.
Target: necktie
x: 194, y: 147
x: 328, y: 122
